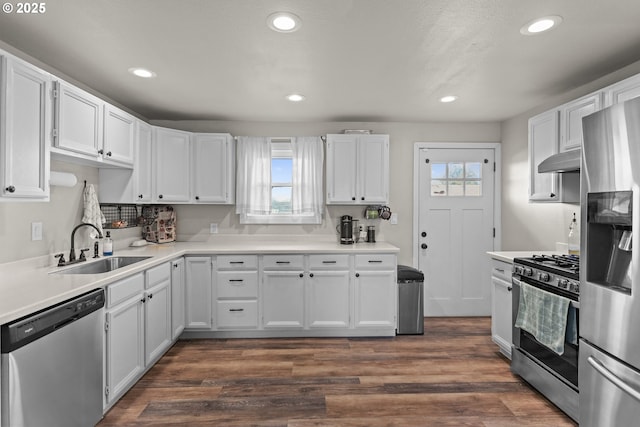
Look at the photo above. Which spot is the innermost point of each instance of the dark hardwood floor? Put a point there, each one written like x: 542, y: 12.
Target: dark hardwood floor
x: 451, y: 376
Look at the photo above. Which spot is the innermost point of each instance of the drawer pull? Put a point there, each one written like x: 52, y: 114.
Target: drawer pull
x: 236, y: 309
x: 500, y: 270
x: 236, y: 280
x: 328, y: 262
x: 236, y: 262
x: 283, y: 262
x: 375, y: 261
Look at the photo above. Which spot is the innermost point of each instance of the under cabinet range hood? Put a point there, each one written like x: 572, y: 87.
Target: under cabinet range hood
x: 569, y: 161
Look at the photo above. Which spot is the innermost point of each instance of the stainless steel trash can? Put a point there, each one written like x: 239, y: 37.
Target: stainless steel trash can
x: 410, y: 301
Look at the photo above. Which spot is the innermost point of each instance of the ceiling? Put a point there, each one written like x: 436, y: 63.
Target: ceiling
x: 353, y: 60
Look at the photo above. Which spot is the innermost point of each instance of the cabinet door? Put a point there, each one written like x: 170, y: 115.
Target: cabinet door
x: 622, y: 91
x: 198, y: 292
x: 375, y: 299
x: 341, y: 169
x: 501, y: 327
x: 373, y: 169
x: 283, y: 299
x: 328, y: 299
x: 143, y: 162
x: 78, y: 120
x: 212, y: 168
x: 124, y: 347
x: 171, y: 165
x: 543, y: 142
x: 25, y: 106
x: 157, y: 320
x: 177, y: 298
x: 119, y: 135
x: 571, y: 115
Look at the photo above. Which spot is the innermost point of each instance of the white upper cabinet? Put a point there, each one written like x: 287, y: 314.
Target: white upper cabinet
x: 622, y: 91
x: 571, y: 115
x: 171, y: 161
x: 143, y: 169
x: 25, y: 131
x: 213, y: 168
x: 87, y: 129
x: 119, y: 135
x: 543, y: 142
x: 78, y: 120
x: 357, y: 169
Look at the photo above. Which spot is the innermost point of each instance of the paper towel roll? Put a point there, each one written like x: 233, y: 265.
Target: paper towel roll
x: 62, y: 179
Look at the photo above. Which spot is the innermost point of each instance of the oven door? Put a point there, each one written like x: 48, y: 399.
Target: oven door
x: 564, y: 366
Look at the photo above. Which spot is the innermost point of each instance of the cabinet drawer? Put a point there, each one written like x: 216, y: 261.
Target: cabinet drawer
x: 283, y: 262
x: 124, y: 289
x: 237, y: 314
x: 501, y: 269
x: 238, y: 262
x: 158, y: 274
x: 329, y: 261
x: 237, y: 284
x: 376, y: 261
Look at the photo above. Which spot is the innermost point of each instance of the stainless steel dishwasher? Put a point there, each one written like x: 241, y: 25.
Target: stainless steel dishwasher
x: 52, y: 365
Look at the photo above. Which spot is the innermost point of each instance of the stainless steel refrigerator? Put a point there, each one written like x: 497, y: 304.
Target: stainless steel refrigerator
x: 609, y: 362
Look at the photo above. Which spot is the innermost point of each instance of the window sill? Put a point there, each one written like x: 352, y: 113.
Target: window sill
x: 280, y: 219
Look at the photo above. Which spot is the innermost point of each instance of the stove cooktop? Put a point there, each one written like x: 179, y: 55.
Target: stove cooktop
x: 562, y: 271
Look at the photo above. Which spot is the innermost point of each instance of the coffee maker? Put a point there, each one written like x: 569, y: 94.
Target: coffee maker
x: 346, y: 230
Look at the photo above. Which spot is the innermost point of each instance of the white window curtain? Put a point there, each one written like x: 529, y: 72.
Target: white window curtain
x: 253, y: 172
x: 308, y: 165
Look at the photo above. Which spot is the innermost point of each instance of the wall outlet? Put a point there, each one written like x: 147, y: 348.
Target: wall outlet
x: 36, y: 231
x: 394, y: 219
x: 213, y: 228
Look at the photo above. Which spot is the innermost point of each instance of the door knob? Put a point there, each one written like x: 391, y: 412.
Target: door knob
x: 424, y: 246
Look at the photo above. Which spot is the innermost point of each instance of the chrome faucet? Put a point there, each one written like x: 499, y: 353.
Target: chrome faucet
x: 72, y: 253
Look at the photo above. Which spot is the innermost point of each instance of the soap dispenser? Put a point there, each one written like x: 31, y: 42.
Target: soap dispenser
x: 574, y: 237
x: 107, y: 247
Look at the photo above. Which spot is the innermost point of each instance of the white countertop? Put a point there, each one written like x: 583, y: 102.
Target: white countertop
x: 27, y: 286
x: 508, y: 256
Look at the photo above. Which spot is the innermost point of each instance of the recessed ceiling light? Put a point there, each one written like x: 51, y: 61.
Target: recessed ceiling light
x: 540, y: 25
x: 295, y: 97
x: 142, y: 72
x: 284, y: 22
x: 448, y: 98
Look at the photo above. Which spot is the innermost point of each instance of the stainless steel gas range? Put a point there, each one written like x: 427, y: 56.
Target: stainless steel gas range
x: 546, y: 292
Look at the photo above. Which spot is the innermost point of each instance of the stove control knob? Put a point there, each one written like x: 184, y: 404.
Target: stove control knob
x: 544, y: 277
x: 575, y: 287
x: 563, y: 283
x: 528, y: 272
x: 517, y: 269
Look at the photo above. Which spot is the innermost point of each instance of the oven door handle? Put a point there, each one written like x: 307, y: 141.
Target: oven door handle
x: 575, y: 305
x: 599, y: 366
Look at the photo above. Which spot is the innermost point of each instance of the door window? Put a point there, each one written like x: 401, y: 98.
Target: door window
x: 456, y: 179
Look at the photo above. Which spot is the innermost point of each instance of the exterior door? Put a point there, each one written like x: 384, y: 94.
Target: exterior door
x: 456, y: 229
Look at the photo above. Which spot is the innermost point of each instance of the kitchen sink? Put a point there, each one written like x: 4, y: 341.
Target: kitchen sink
x: 104, y: 265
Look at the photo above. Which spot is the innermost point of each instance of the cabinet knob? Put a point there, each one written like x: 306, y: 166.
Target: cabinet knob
x: 175, y: 265
x: 310, y: 274
x: 509, y: 288
x: 362, y: 198
x: 301, y: 274
x: 140, y: 196
x: 11, y: 189
x: 353, y: 198
x: 143, y: 300
x: 150, y: 296
x: 423, y: 234
x: 424, y: 246
x: 101, y: 151
x: 109, y: 153
x: 160, y: 196
x: 552, y: 195
x: 197, y: 197
x: 357, y: 274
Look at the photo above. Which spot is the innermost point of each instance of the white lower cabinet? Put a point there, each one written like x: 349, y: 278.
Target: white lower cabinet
x: 283, y: 299
x: 501, y: 306
x: 157, y: 301
x: 177, y: 297
x: 199, y: 270
x: 137, y: 328
x: 124, y: 359
x: 236, y: 290
x: 328, y: 296
x: 375, y: 291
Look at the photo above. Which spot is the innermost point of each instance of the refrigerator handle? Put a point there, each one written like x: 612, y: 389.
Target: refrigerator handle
x: 599, y: 366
